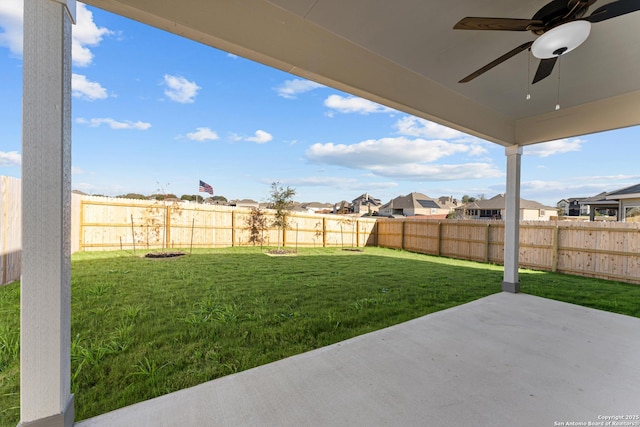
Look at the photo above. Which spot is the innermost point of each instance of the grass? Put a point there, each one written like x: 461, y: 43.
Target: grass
x: 146, y: 327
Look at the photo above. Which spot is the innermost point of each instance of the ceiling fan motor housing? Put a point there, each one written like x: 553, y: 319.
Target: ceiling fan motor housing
x: 559, y: 12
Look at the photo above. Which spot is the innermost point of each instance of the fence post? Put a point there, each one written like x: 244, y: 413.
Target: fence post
x: 439, y: 236
x: 133, y: 236
x: 81, y: 221
x: 167, y: 226
x: 357, y: 234
x: 324, y: 232
x: 554, y: 256
x: 402, y: 233
x: 233, y: 228
x: 486, y: 244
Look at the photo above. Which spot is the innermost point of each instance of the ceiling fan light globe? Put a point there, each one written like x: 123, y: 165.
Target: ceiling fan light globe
x: 569, y: 36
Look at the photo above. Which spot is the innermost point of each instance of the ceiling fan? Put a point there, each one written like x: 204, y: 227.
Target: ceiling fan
x: 561, y: 26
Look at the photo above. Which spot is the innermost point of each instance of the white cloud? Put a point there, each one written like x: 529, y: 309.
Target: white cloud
x: 389, y: 151
x: 550, y: 148
x: 290, y: 89
x: 404, y: 158
x: 581, y: 186
x: 75, y: 170
x: 414, y: 126
x: 11, y: 23
x: 337, y: 182
x: 180, y: 90
x: 85, y: 89
x: 202, y: 134
x: 85, y: 33
x: 317, y: 181
x: 10, y: 158
x: 261, y: 137
x: 352, y: 104
x: 235, y: 137
x: 422, y: 172
x: 114, y: 124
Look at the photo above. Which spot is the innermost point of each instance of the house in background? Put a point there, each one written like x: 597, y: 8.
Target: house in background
x: 628, y: 203
x: 365, y: 204
x: 448, y: 202
x: 414, y: 204
x: 618, y: 205
x: 573, y: 207
x: 245, y: 203
x: 600, y: 208
x: 494, y: 208
x: 342, y: 208
x: 317, y: 207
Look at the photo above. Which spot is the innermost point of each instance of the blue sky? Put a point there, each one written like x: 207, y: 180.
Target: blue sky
x: 154, y: 112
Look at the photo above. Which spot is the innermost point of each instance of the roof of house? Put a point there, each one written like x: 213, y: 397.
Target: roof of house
x: 498, y: 202
x: 413, y: 200
x: 448, y: 202
x: 366, y: 199
x: 599, y: 199
x: 632, y: 190
x: 572, y: 200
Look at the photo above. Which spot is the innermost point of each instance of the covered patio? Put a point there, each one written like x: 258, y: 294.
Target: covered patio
x: 508, y: 358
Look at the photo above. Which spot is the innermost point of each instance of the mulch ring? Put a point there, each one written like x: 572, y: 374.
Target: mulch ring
x: 281, y: 252
x: 164, y: 254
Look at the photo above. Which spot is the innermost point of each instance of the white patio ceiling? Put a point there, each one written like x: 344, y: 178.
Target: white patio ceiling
x: 405, y: 54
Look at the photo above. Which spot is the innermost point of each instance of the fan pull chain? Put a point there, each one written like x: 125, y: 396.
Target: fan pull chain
x: 558, y: 93
x: 529, y: 75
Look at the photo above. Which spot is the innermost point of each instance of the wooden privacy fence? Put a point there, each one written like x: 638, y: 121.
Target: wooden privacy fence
x: 10, y: 229
x: 607, y: 250
x: 107, y: 224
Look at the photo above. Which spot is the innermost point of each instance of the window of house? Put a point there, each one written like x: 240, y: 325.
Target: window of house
x: 632, y: 214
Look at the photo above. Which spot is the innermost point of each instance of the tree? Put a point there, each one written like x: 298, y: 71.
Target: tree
x: 191, y: 198
x: 256, y: 223
x: 467, y: 199
x: 132, y: 196
x: 161, y: 197
x: 281, y: 200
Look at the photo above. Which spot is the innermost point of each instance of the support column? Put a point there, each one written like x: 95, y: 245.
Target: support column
x: 511, y: 282
x: 45, y: 314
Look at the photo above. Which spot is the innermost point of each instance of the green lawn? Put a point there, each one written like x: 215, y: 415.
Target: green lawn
x: 146, y: 327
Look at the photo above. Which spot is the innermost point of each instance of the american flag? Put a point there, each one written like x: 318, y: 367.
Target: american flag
x: 205, y: 188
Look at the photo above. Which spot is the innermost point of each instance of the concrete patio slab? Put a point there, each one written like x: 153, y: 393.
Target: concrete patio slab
x: 504, y: 360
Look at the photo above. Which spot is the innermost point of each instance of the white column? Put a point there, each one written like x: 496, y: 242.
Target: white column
x: 45, y: 315
x: 511, y: 282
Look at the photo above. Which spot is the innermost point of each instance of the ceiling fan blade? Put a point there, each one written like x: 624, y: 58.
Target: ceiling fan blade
x: 495, y: 62
x: 498, y: 24
x: 544, y: 69
x: 612, y: 10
